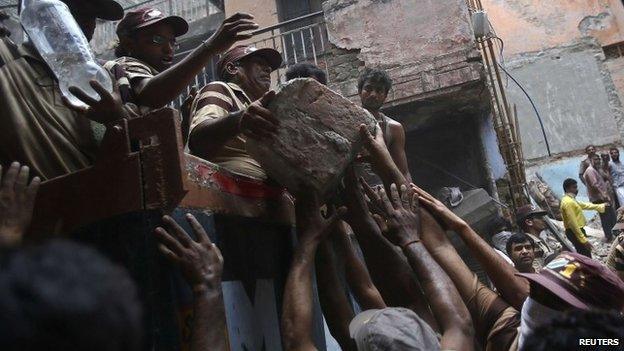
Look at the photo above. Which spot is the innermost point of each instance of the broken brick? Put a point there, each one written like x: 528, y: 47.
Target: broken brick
x: 317, y: 138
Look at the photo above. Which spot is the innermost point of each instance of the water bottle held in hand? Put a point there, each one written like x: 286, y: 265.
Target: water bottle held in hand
x: 61, y: 43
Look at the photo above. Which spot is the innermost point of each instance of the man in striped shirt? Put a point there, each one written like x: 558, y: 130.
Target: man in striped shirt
x: 225, y: 113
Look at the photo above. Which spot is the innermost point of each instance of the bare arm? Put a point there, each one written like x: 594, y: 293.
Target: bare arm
x: 163, y: 88
x: 388, y: 267
x: 397, y: 150
x: 256, y: 121
x: 297, y: 304
x: 512, y: 288
x: 399, y: 220
x: 381, y: 159
x: 201, y: 264
x: 334, y: 303
x: 357, y: 275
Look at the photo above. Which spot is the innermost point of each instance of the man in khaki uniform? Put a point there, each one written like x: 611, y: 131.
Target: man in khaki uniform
x: 37, y: 128
x: 225, y: 113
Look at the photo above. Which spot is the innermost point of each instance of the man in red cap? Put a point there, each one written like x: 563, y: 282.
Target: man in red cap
x: 225, y: 113
x: 147, y: 41
x: 570, y: 281
x: 37, y: 128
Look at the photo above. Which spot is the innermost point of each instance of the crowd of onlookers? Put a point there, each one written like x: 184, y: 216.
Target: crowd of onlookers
x: 382, y: 245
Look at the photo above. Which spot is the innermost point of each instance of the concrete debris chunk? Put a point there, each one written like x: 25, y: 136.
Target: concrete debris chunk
x: 317, y: 138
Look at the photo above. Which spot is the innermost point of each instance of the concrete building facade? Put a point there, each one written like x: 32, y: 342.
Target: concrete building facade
x: 567, y: 55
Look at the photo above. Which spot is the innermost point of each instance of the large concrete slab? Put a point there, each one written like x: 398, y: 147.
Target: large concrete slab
x: 317, y: 138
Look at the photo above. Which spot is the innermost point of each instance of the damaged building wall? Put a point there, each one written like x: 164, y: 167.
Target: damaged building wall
x: 533, y: 25
x: 440, y: 56
x: 556, y: 50
x: 438, y: 94
x: 575, y: 97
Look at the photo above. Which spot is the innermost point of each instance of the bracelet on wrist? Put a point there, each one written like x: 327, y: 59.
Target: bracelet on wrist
x: 404, y: 246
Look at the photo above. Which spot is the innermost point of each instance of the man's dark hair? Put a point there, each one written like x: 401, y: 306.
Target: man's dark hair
x: 517, y: 238
x: 376, y: 77
x: 588, y: 146
x: 568, y: 183
x: 612, y: 148
x: 66, y: 296
x: 306, y: 70
x: 564, y: 332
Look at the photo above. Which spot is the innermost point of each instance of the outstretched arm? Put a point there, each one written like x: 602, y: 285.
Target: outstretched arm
x: 388, y: 267
x: 332, y: 295
x: 209, y: 136
x: 397, y: 150
x: 163, y: 88
x: 357, y: 275
x: 201, y: 264
x: 297, y: 305
x: 512, y: 288
x: 381, y: 159
x: 400, y: 223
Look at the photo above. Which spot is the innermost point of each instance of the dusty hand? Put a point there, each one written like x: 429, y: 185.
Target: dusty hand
x: 107, y: 109
x: 199, y: 260
x: 399, y: 218
x: 375, y: 145
x: 17, y: 199
x: 438, y: 209
x: 311, y: 226
x: 354, y: 196
x: 257, y: 121
x: 230, y: 32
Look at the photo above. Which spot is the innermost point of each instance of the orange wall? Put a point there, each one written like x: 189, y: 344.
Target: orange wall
x: 533, y: 25
x: 264, y: 11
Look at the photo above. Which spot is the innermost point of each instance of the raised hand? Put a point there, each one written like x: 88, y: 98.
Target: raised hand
x: 199, y: 260
x: 311, y: 226
x: 438, y: 209
x: 17, y: 199
x: 231, y: 31
x: 257, y: 121
x: 398, y: 217
x: 107, y: 109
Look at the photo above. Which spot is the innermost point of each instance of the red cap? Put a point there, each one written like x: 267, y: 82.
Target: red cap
x: 273, y: 57
x: 146, y: 17
x: 580, y: 281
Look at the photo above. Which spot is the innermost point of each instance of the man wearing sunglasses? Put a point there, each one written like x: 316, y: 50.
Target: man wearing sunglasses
x: 147, y: 44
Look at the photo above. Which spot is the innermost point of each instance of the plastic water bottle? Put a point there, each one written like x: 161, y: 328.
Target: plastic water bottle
x: 61, y: 43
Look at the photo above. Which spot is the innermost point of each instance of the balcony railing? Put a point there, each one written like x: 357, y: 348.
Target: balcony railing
x: 303, y: 39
